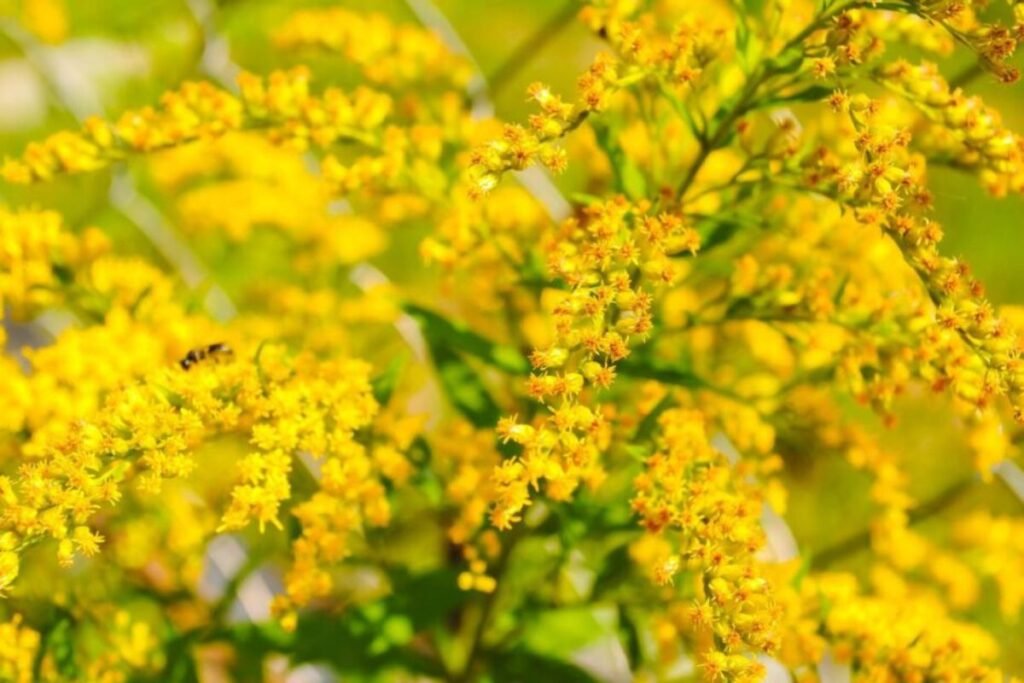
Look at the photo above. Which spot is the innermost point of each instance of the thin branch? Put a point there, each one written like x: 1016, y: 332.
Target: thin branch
x: 862, y: 540
x: 528, y: 49
x: 963, y: 78
x: 477, y: 645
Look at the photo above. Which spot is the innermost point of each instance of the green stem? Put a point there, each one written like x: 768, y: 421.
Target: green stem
x: 721, y: 133
x: 963, y: 78
x: 745, y: 99
x: 861, y: 541
x: 521, y: 56
x: 476, y: 644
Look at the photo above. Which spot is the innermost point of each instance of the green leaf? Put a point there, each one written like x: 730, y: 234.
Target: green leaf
x: 663, y: 372
x: 682, y: 110
x: 562, y: 632
x: 631, y: 637
x: 740, y: 307
x: 439, y: 331
x: 384, y: 384
x: 58, y: 641
x: 443, y: 596
x: 360, y: 641
x: 802, y: 572
x: 720, y: 233
x: 584, y: 198
x: 181, y: 665
x: 646, y: 428
x: 462, y: 385
x: 786, y: 63
x: 519, y: 665
x: 617, y: 569
x: 838, y: 296
x: 628, y: 178
x: 814, y: 93
x: 464, y: 388
x: 64, y: 275
x: 633, y: 181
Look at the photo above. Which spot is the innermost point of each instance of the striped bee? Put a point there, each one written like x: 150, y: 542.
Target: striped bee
x: 219, y: 349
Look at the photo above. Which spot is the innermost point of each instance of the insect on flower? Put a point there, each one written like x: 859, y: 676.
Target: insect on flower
x: 218, y: 349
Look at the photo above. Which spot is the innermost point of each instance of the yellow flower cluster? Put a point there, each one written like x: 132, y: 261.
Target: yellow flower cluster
x: 320, y: 319
x: 18, y: 646
x: 884, y: 641
x: 351, y: 493
x: 466, y: 458
x: 147, y: 432
x: 36, y: 252
x: 993, y: 544
x: 969, y: 347
x: 604, y: 260
x: 675, y: 58
x: 906, y: 29
x: 242, y: 182
x: 993, y: 42
x: 980, y: 140
x: 389, y: 54
x: 893, y: 540
x: 519, y: 148
x: 689, y: 494
x: 895, y: 633
x: 142, y: 327
x: 161, y: 539
x: 47, y: 19
x: 486, y: 236
x: 858, y: 33
x: 199, y: 110
x: 407, y: 159
x: 763, y: 234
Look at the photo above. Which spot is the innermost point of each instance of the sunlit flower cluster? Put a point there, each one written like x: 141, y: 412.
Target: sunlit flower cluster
x: 334, y: 365
x: 600, y: 260
x: 200, y: 110
x: 689, y: 495
x: 386, y: 53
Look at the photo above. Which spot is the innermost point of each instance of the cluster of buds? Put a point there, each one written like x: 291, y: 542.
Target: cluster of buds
x: 885, y: 637
x: 194, y: 111
x: 859, y: 35
x: 200, y: 110
x: 148, y: 431
x: 476, y: 578
x: 848, y: 43
x: 605, y: 259
x: 908, y: 30
x: 283, y: 101
x: 19, y: 648
x: 388, y: 54
x: 519, y: 148
x: 981, y: 140
x: 676, y: 57
x: 970, y: 347
x: 465, y: 458
x: 405, y: 158
x: 689, y: 493
x: 995, y: 543
x: 992, y: 42
x: 995, y: 45
x: 35, y: 247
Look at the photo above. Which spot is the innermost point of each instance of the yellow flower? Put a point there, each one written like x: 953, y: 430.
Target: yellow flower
x: 18, y: 647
